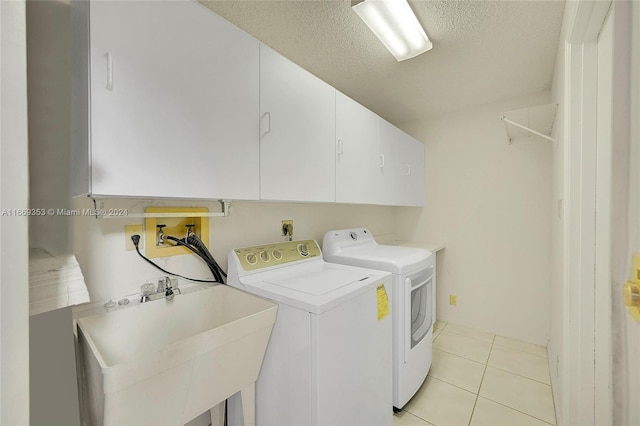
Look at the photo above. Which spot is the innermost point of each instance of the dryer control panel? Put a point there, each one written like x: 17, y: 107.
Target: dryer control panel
x: 336, y: 241
x: 263, y: 256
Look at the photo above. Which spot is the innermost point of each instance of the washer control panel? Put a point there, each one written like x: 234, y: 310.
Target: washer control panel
x: 264, y: 256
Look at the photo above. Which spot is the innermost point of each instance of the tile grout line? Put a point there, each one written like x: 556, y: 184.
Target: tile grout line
x: 494, y: 344
x: 519, y: 375
x: 417, y: 417
x: 553, y: 400
x: 460, y: 356
x: 519, y: 411
x: 450, y: 352
x: 450, y: 384
x: 523, y: 351
x: 481, y: 380
x: 471, y: 337
x: 457, y: 354
x: 486, y: 365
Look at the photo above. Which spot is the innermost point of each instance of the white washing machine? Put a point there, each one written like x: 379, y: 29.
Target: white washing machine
x: 328, y: 361
x: 413, y: 307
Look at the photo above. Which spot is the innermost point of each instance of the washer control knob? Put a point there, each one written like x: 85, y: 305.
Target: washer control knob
x: 264, y: 255
x: 277, y: 255
x: 303, y: 250
x: 252, y: 258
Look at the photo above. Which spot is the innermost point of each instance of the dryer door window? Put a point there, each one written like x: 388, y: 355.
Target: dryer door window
x: 419, y: 312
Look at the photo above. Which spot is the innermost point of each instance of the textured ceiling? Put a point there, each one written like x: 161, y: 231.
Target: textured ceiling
x: 483, y: 51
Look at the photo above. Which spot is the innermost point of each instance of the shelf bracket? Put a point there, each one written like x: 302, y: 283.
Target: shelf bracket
x: 551, y: 119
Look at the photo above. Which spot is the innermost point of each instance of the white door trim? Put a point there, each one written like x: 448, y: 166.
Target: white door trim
x: 586, y: 399
x: 14, y: 241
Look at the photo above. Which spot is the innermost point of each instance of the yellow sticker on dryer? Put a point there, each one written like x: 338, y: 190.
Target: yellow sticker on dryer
x: 383, y: 302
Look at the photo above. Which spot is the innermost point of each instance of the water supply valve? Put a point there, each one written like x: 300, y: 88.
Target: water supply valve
x: 160, y: 235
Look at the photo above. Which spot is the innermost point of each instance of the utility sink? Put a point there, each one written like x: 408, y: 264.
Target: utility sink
x: 167, y: 362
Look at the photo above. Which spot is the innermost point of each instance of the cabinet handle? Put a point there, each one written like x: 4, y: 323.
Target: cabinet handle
x: 109, y: 72
x: 381, y: 156
x: 267, y: 115
x: 340, y: 148
x: 408, y: 170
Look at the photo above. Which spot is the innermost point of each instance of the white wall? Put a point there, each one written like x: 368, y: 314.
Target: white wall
x: 488, y: 201
x: 556, y: 292
x: 53, y: 390
x: 49, y: 117
x: 14, y: 290
x: 112, y: 272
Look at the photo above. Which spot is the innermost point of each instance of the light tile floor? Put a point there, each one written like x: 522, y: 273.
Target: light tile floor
x: 477, y: 378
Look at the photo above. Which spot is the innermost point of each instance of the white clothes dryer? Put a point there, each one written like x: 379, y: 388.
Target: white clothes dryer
x: 413, y: 307
x: 328, y: 361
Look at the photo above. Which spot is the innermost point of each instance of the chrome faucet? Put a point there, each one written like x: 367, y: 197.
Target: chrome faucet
x: 166, y: 288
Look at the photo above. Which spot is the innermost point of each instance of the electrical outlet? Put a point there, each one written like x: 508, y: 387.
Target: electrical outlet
x: 130, y: 230
x: 287, y: 228
x: 453, y: 299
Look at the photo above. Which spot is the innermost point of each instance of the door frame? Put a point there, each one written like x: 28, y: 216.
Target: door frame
x: 14, y: 240
x: 586, y: 392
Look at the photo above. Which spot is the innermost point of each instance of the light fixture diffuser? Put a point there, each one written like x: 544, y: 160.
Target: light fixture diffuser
x: 394, y: 23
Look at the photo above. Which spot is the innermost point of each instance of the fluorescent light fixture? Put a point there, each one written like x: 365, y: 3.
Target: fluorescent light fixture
x: 394, y: 23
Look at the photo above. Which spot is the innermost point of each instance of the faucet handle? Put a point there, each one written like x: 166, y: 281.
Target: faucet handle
x: 168, y: 293
x: 147, y: 288
x: 163, y: 284
x: 173, y: 283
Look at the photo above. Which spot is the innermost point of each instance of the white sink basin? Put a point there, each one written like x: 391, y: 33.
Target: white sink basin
x: 168, y: 362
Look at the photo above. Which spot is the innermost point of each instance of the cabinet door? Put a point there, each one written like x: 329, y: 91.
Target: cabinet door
x: 403, y: 170
x: 297, y: 131
x: 358, y: 171
x: 411, y: 171
x: 174, y: 102
x: 390, y: 164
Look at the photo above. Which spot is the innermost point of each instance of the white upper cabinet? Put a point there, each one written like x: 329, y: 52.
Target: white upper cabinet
x: 297, y: 132
x: 165, y: 102
x: 358, y: 157
x: 403, y: 167
x: 376, y: 163
x: 411, y: 172
x: 170, y: 100
x: 391, y: 164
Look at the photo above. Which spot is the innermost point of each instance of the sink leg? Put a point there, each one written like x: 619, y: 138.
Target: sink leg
x: 217, y: 415
x: 248, y: 395
x: 241, y: 406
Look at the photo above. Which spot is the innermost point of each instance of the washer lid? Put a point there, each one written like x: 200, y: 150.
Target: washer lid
x: 320, y: 283
x: 396, y: 259
x: 314, y: 287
